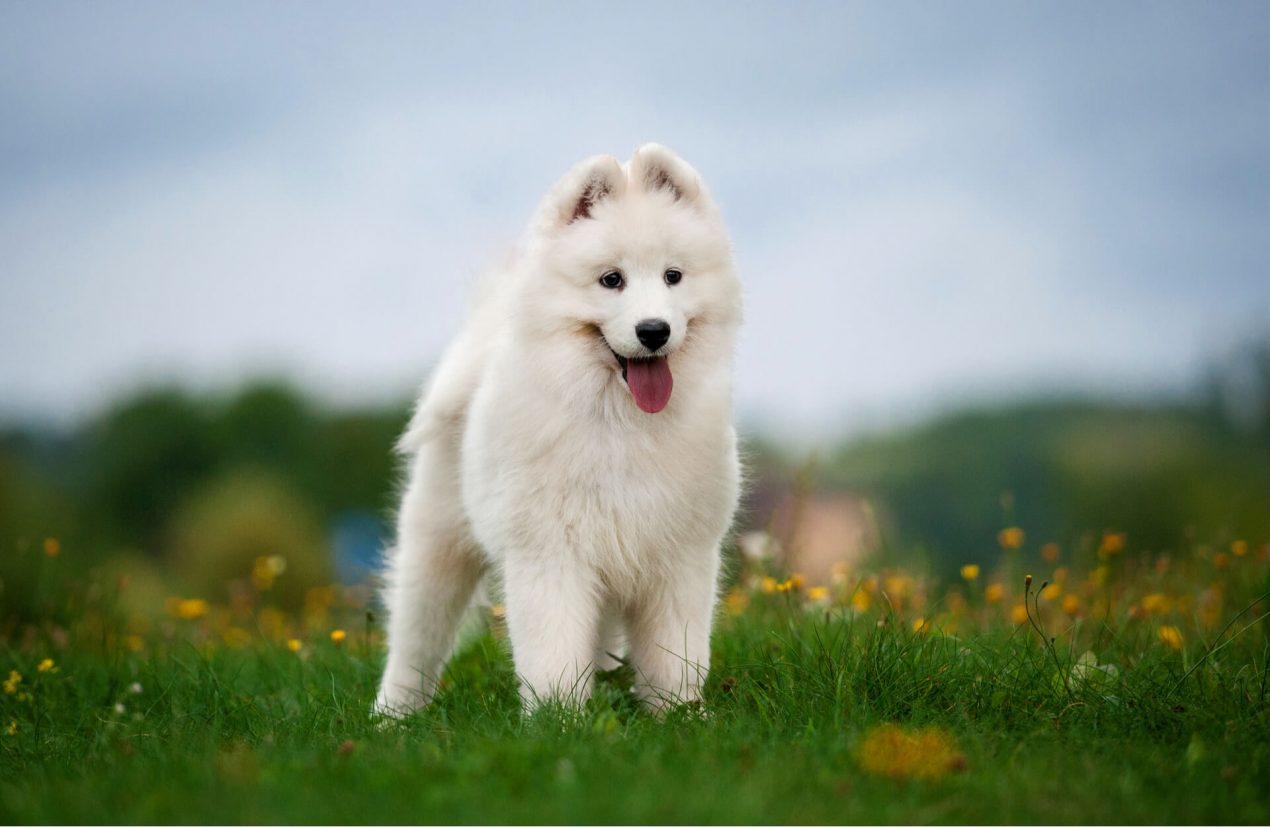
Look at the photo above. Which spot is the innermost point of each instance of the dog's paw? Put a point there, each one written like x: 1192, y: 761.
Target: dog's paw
x: 394, y: 707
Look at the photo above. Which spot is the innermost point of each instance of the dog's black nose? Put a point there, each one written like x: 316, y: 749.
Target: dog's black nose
x: 653, y: 333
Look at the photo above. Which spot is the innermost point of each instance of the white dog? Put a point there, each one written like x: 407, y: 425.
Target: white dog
x: 550, y: 448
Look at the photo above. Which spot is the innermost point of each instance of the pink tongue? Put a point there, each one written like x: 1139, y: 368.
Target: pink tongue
x: 650, y: 383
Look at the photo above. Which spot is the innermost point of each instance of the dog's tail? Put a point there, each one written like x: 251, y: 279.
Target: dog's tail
x: 449, y: 389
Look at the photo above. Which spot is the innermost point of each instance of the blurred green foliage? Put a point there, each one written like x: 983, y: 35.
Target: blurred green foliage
x: 1171, y: 475
x: 202, y: 485
x: 1167, y: 476
x: 248, y: 520
x: 142, y: 459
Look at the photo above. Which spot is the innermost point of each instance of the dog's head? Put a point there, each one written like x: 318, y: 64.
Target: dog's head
x: 639, y: 272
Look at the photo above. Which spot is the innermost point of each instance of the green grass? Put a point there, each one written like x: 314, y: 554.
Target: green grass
x: 263, y: 735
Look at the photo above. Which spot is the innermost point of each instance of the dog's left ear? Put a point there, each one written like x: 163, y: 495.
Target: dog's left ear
x: 654, y: 167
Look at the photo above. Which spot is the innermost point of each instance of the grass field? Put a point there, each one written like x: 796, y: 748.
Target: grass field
x: 1130, y: 690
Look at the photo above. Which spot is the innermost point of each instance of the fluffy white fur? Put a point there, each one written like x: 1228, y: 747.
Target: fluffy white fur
x: 530, y: 458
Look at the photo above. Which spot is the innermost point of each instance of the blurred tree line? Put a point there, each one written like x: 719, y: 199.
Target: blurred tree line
x: 196, y: 489
x: 1066, y: 472
x: 191, y: 492
x: 1169, y: 475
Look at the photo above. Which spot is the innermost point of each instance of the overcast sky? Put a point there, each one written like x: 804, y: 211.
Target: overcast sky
x: 929, y: 202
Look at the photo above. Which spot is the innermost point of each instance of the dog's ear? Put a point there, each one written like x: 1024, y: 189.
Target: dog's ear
x: 584, y: 186
x: 654, y: 167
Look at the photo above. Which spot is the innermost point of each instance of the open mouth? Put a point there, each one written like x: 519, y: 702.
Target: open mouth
x: 649, y: 380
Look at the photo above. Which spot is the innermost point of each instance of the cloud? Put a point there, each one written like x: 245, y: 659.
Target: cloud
x: 925, y: 203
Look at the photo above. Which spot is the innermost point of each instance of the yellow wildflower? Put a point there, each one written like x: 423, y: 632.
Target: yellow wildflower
x: 1112, y: 544
x: 897, y: 585
x: 1239, y: 548
x: 786, y: 586
x: 796, y: 581
x: 1155, y: 603
x: 970, y: 572
x: 12, y: 728
x: 11, y: 685
x: 1011, y: 538
x: 135, y: 643
x: 262, y: 574
x: 768, y: 584
x: 191, y: 609
x: 897, y: 588
x: 994, y: 592
x: 265, y: 569
x: 894, y: 752
x: 1221, y: 559
x: 337, y: 636
x: 1019, y: 614
x: 1052, y: 591
x: 817, y: 593
x: 1050, y: 552
x: 736, y: 602
x: 860, y: 601
x: 46, y: 665
x: 294, y: 644
x: 1071, y: 605
x: 920, y: 625
x: 1171, y: 636
x: 52, y: 546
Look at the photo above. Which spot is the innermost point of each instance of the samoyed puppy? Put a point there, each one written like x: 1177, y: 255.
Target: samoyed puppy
x: 576, y: 440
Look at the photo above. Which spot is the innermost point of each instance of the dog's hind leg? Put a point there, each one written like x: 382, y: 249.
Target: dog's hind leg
x: 430, y: 580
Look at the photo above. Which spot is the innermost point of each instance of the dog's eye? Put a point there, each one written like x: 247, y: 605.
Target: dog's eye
x: 673, y: 276
x: 612, y: 280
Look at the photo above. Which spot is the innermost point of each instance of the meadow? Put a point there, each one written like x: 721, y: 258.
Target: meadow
x: 1087, y: 682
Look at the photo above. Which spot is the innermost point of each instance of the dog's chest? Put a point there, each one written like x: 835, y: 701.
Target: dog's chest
x: 612, y: 494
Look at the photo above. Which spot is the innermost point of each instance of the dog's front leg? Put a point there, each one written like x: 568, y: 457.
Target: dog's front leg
x: 553, y: 619
x: 670, y: 636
